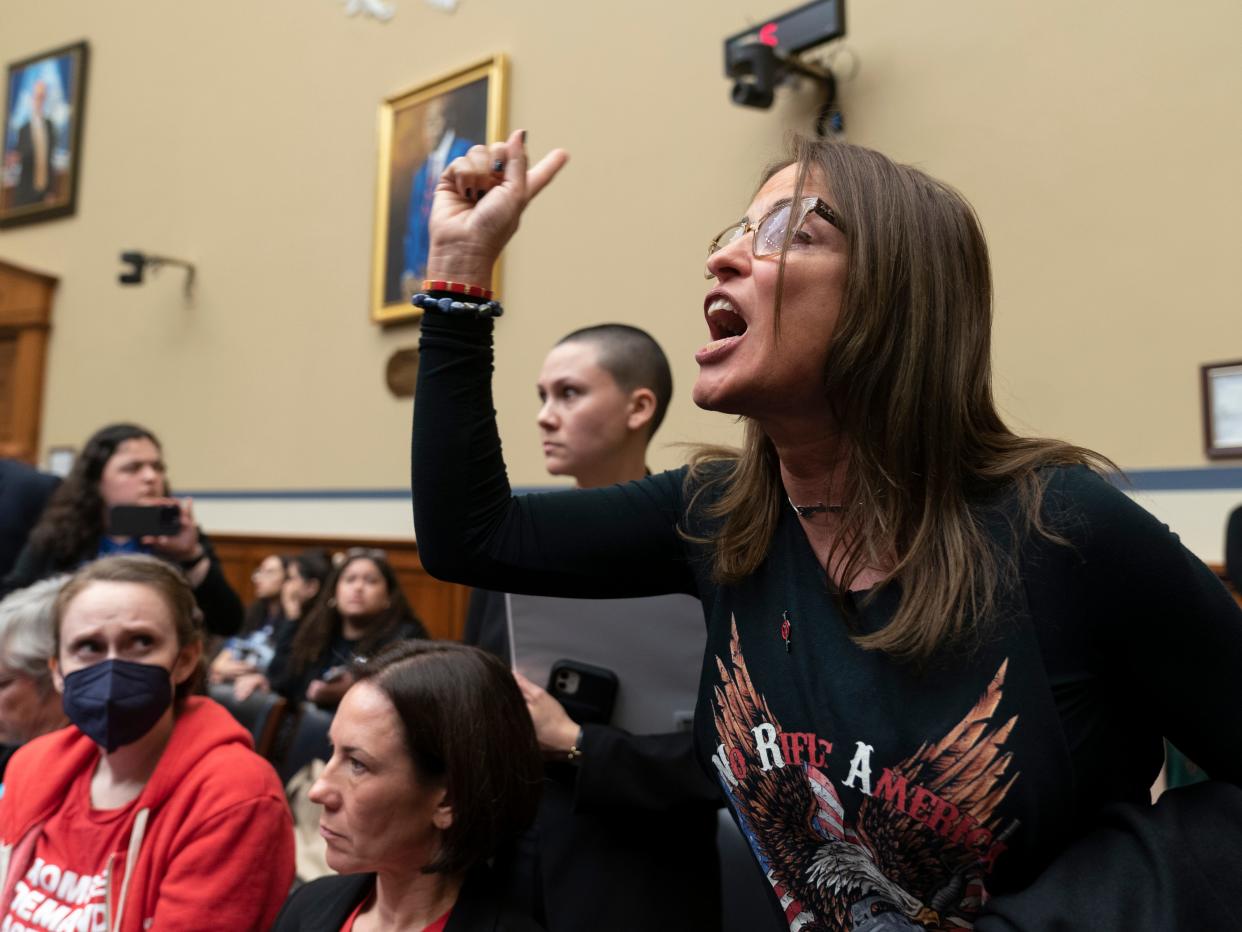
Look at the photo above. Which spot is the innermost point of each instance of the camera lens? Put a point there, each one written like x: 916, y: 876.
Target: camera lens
x: 748, y: 94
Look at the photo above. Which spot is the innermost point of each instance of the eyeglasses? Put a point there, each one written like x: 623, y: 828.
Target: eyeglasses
x: 772, y: 229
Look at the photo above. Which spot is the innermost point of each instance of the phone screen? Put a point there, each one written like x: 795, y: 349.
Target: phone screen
x: 144, y: 520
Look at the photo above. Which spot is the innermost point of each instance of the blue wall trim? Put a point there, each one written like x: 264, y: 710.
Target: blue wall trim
x: 1206, y: 479
x: 317, y: 495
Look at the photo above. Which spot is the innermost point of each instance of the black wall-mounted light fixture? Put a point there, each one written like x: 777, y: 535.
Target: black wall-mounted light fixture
x: 760, y: 59
x: 139, y: 262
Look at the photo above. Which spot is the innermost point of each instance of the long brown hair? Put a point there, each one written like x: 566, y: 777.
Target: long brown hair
x: 324, y: 622
x: 908, y: 384
x: 73, y: 522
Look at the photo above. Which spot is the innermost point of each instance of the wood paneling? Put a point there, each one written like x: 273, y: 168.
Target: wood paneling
x: 441, y: 606
x: 25, y: 316
x: 8, y: 375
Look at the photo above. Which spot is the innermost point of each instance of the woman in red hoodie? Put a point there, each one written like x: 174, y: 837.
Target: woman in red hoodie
x: 151, y: 811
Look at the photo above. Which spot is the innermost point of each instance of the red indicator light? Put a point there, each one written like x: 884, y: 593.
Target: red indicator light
x: 767, y: 34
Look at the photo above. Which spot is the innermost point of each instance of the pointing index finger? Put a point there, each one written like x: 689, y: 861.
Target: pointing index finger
x: 544, y: 171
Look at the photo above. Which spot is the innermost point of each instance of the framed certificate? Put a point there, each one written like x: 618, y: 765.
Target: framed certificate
x: 1222, y: 409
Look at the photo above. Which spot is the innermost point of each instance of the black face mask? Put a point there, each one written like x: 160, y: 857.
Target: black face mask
x: 116, y: 702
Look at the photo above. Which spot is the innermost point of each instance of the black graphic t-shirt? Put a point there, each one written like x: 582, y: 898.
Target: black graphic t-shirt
x: 1005, y: 786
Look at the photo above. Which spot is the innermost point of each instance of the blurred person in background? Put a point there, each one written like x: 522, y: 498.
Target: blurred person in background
x: 253, y: 649
x: 366, y: 612
x: 123, y: 464
x: 24, y: 492
x: 29, y: 703
x: 268, y: 579
x: 305, y: 576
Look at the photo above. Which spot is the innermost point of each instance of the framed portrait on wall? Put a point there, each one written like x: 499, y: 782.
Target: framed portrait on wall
x: 43, y: 111
x: 1222, y: 409
x: 421, y: 130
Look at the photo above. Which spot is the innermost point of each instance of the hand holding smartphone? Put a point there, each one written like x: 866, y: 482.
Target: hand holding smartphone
x: 587, y: 692
x: 144, y: 520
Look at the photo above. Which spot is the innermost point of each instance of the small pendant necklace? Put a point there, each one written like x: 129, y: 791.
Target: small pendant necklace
x: 786, y: 628
x: 805, y: 511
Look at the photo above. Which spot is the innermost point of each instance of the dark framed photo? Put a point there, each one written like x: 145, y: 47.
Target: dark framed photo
x: 43, y: 111
x: 421, y: 130
x: 1222, y: 409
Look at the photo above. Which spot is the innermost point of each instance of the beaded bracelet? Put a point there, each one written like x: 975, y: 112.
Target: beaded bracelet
x: 454, y: 308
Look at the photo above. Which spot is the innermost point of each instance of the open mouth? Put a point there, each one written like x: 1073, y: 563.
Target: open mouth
x: 723, y: 320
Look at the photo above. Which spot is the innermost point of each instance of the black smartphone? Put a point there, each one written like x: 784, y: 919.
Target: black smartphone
x: 587, y: 692
x: 144, y: 520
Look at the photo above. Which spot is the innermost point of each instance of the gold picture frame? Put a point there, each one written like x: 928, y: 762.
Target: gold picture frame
x: 41, y: 154
x: 421, y: 130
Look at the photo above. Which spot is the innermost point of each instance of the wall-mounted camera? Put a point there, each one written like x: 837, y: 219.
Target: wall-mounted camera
x: 758, y: 60
x: 140, y: 262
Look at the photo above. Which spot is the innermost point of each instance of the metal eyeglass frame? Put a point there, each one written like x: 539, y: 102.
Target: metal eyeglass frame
x: 810, y: 204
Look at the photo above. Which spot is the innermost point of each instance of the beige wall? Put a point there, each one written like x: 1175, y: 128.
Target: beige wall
x: 1099, y: 142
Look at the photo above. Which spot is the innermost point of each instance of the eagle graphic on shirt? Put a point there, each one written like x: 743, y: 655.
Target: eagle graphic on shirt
x: 924, y: 837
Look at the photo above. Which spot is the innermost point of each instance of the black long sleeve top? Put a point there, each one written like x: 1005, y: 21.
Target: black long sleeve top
x: 1003, y: 788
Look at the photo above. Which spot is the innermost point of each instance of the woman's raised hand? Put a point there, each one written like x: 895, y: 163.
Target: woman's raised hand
x: 478, y: 203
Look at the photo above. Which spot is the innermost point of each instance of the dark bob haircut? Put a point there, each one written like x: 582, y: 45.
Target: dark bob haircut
x: 467, y: 729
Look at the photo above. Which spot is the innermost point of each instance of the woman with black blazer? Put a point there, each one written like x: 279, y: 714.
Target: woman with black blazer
x: 434, y: 768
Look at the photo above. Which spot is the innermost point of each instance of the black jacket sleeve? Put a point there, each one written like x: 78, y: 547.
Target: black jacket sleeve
x: 472, y: 530
x: 24, y: 492
x: 1166, y: 637
x: 222, y: 610
x: 649, y: 772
